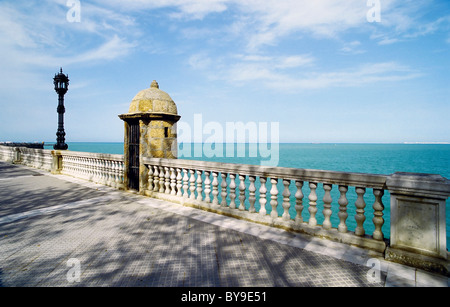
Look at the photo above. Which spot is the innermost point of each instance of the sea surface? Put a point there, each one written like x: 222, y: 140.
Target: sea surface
x: 361, y: 158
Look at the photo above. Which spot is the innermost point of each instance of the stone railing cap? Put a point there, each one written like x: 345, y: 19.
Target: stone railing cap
x: 419, y: 184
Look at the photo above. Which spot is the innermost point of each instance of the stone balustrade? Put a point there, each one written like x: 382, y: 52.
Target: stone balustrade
x: 276, y: 196
x: 34, y: 157
x: 341, y: 206
x: 281, y: 197
x: 8, y: 153
x: 38, y: 158
x: 106, y: 169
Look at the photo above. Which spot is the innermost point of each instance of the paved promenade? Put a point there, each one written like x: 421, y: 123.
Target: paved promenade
x: 60, y: 231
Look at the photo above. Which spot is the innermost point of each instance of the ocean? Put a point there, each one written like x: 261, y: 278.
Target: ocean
x: 361, y: 158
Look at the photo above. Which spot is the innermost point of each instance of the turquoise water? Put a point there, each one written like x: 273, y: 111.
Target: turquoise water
x: 362, y: 158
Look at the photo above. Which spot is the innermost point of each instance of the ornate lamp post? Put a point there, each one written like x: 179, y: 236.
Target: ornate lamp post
x: 61, y: 82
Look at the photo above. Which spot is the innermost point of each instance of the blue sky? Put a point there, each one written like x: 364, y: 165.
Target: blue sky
x: 320, y: 68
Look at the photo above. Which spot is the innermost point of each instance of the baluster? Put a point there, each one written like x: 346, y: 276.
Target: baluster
x: 274, y: 197
x: 312, y: 204
x: 251, y: 194
x: 215, y: 187
x: 173, y: 182
x: 167, y: 180
x: 98, y: 166
x: 93, y: 168
x: 66, y: 166
x: 327, y: 206
x: 89, y: 169
x: 378, y: 220
x: 81, y: 169
x: 161, y: 179
x: 262, y: 196
x: 299, y: 201
x: 121, y: 172
x: 343, y: 202
x: 117, y: 173
x: 103, y: 172
x: 111, y: 174
x: 207, y: 187
x: 224, y: 193
x: 359, y: 216
x: 232, y: 191
x: 73, y: 165
x: 90, y: 166
x: 185, y: 183
x: 286, y: 199
x: 199, y: 185
x: 179, y: 183
x: 96, y: 171
x: 192, y: 184
x: 100, y: 171
x: 242, y: 192
x: 156, y: 179
x: 114, y: 173
x: 150, y: 178
x: 109, y: 171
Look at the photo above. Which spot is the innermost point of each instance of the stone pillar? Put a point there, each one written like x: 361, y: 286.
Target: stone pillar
x: 56, y: 162
x: 17, y: 155
x: 418, y: 220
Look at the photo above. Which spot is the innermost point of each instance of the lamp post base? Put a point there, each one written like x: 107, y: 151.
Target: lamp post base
x: 60, y: 146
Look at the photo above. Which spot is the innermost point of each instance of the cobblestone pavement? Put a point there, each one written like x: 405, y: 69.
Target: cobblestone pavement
x: 60, y: 231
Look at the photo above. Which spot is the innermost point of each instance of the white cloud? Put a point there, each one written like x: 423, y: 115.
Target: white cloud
x: 353, y: 47
x: 274, y: 19
x: 43, y: 32
x: 34, y: 36
x: 296, y: 72
x: 361, y: 75
x: 182, y: 9
x: 279, y: 62
x: 293, y: 61
x: 200, y: 61
x: 261, y: 22
x: 388, y: 41
x: 314, y: 79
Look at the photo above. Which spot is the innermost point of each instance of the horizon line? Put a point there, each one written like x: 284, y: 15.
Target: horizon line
x: 287, y: 142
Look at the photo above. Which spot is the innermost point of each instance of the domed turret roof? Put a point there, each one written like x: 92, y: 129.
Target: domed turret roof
x: 153, y: 100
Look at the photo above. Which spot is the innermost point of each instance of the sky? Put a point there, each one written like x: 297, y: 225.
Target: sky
x: 331, y: 71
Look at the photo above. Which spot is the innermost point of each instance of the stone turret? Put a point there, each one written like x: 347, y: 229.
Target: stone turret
x: 150, y: 131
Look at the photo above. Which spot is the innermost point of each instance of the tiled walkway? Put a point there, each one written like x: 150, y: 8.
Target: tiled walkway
x: 60, y: 231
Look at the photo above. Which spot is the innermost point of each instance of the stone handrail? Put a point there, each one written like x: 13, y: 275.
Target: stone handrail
x: 199, y: 184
